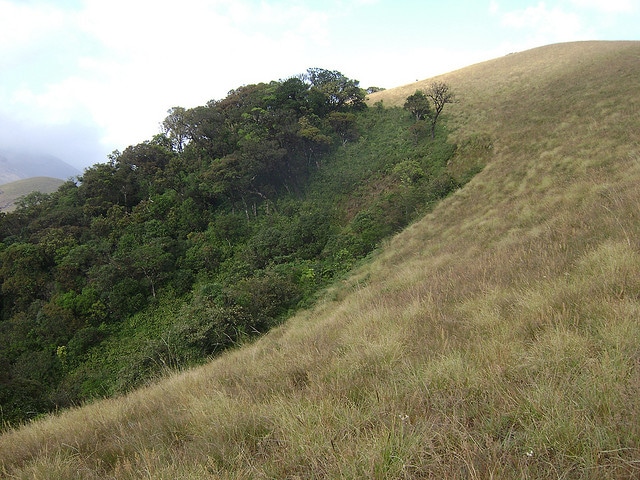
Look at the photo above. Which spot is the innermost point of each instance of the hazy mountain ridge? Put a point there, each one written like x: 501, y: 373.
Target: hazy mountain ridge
x: 497, y: 337
x: 18, y: 165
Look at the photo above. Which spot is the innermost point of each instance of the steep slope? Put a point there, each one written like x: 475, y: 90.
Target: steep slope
x: 497, y: 337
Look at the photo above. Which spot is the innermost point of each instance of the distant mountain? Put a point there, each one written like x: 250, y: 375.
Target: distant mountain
x: 17, y: 165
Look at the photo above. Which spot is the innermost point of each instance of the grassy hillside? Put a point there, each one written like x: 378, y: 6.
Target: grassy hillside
x: 10, y: 192
x: 496, y: 338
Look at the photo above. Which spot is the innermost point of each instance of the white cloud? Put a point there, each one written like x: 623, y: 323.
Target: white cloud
x: 541, y: 16
x: 545, y: 25
x: 608, y: 6
x: 22, y: 25
x: 135, y: 59
x: 118, y: 65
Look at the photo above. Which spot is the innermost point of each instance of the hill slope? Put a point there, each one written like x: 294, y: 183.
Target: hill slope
x: 496, y: 337
x: 12, y: 191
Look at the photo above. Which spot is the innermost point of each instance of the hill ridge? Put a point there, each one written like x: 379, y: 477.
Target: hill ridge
x: 496, y: 337
x: 22, y: 164
x: 10, y: 192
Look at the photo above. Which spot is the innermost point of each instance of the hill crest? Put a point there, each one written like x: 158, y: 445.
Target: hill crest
x: 18, y: 165
x: 10, y: 192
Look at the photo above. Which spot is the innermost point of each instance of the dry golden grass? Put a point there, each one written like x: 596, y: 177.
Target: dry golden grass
x: 496, y: 338
x: 11, y: 192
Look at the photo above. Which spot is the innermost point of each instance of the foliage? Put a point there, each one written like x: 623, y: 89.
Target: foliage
x: 202, y: 237
x: 418, y: 104
x: 440, y: 94
x: 429, y: 104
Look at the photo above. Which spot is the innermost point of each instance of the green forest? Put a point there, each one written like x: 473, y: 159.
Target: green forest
x: 212, y: 232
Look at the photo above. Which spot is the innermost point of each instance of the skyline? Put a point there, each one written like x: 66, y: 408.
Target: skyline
x: 80, y: 78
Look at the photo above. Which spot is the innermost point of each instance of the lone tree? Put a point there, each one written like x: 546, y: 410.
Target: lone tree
x: 440, y: 94
x: 418, y: 105
x: 429, y: 104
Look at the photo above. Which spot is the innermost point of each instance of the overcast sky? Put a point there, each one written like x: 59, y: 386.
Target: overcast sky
x: 80, y: 78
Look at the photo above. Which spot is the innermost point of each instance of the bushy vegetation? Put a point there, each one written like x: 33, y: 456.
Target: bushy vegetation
x: 206, y: 235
